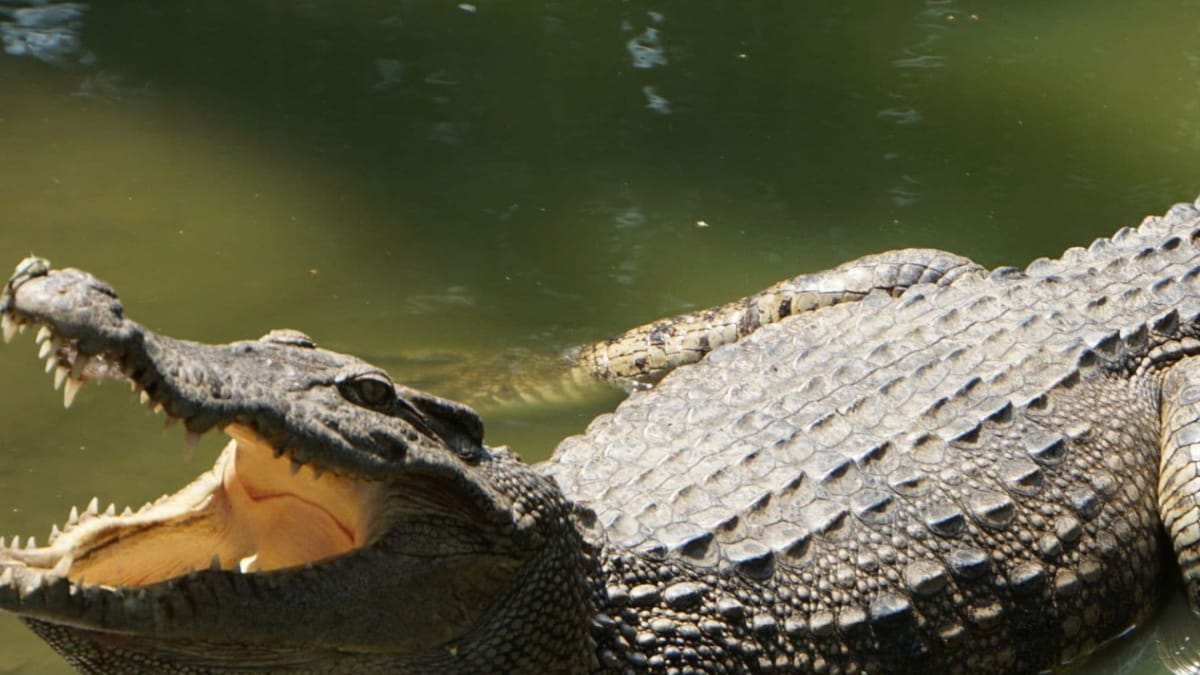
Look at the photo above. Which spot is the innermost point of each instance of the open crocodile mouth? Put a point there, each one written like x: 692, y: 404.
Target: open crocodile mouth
x: 258, y: 509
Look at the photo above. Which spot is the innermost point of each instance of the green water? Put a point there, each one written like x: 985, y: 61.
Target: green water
x: 434, y: 186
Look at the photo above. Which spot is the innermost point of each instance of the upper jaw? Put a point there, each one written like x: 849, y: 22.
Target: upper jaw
x: 282, y: 387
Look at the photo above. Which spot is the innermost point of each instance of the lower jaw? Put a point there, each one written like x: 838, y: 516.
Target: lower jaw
x: 250, y: 513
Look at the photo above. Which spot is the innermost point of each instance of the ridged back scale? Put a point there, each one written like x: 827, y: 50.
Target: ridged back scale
x: 866, y: 415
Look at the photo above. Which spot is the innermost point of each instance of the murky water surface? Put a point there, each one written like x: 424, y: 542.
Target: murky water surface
x: 445, y: 189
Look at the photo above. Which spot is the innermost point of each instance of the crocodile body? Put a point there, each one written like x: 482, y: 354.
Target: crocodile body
x: 968, y: 472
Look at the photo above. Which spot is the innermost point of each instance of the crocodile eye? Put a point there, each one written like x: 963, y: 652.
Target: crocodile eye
x: 370, y: 390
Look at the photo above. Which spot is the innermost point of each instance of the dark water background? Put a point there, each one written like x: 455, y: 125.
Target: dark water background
x: 439, y: 187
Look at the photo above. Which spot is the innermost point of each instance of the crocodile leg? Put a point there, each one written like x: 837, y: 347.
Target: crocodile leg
x: 1179, y: 470
x: 641, y: 356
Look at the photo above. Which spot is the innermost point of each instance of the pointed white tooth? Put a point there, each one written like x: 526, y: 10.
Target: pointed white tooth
x: 111, y: 510
x: 190, y: 440
x: 31, y: 543
x: 93, y: 507
x: 3, y: 543
x: 133, y: 386
x: 73, y: 518
x: 9, y: 325
x: 45, y: 350
x: 16, y: 542
x: 127, y: 512
x: 143, y: 398
x: 60, y: 376
x: 216, y: 562
x: 62, y: 567
x: 69, y: 391
x: 78, y: 365
x: 157, y: 408
x: 51, y: 362
x: 43, y: 334
x: 247, y: 564
x: 55, y: 533
x: 21, y: 327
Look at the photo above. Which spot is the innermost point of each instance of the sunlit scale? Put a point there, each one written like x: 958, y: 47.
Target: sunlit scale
x: 256, y: 510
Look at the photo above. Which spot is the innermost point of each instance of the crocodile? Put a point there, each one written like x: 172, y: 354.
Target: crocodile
x: 968, y: 471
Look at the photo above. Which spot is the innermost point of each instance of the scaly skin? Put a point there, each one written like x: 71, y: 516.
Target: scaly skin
x: 966, y: 476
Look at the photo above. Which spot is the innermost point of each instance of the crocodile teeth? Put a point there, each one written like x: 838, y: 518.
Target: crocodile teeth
x: 150, y: 403
x: 78, y: 365
x: 43, y: 334
x: 247, y: 564
x: 93, y: 507
x: 55, y: 533
x: 51, y: 362
x: 45, y: 349
x: 190, y: 440
x: 60, y: 376
x: 61, y: 568
x: 9, y: 325
x: 73, y: 517
x: 31, y: 543
x: 72, y: 388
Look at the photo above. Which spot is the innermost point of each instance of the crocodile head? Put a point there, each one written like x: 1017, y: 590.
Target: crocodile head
x: 349, y: 523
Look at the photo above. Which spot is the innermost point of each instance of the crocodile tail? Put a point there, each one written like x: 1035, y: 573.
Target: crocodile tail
x: 643, y: 355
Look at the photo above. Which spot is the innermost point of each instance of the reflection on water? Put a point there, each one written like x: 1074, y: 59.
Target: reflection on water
x: 460, y: 192
x: 655, y: 102
x: 899, y: 115
x: 48, y: 32
x: 646, y: 52
x: 646, y: 49
x: 917, y: 70
x: 425, y: 304
x: 391, y: 74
